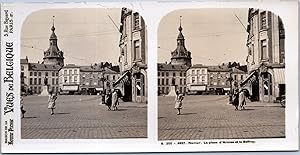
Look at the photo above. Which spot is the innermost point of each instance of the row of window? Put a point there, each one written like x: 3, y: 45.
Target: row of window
x: 200, y: 79
x: 174, y: 74
x: 70, y: 71
x: 203, y: 71
x: 219, y: 83
x: 70, y: 79
x: 114, y: 77
x: 94, y: 82
x: 162, y: 82
x: 38, y: 81
x: 40, y: 73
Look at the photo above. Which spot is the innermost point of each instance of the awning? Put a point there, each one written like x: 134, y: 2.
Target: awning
x: 70, y: 88
x: 99, y: 89
x: 120, y: 79
x: 198, y: 88
x: 246, y: 80
x: 228, y: 89
x: 279, y: 75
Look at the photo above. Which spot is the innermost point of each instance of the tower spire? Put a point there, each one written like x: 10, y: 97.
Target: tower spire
x: 53, y: 28
x: 180, y: 28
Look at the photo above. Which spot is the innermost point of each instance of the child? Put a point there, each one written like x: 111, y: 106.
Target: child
x: 178, y: 102
x: 51, y: 101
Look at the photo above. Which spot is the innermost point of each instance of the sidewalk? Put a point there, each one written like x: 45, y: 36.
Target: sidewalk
x: 262, y: 104
x: 133, y: 104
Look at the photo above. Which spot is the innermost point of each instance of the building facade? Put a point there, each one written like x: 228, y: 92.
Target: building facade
x: 265, y: 60
x: 238, y: 75
x: 36, y: 75
x: 218, y: 79
x: 96, y: 79
x: 171, y: 75
x: 197, y: 79
x: 69, y: 77
x: 133, y: 57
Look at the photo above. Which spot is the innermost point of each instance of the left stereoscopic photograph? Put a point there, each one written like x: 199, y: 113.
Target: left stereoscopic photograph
x: 83, y: 74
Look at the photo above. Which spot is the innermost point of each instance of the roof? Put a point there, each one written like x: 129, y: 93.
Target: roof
x: 218, y: 69
x: 91, y: 69
x: 24, y: 61
x: 235, y: 70
x: 110, y: 71
x: 171, y: 67
x: 115, y: 68
x: 71, y: 66
x: 97, y: 69
x: 43, y: 67
x: 198, y: 66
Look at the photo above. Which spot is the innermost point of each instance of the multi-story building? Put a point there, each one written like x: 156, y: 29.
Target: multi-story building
x: 171, y: 75
x: 42, y: 74
x: 265, y: 60
x: 24, y: 76
x: 218, y: 79
x: 197, y: 79
x: 69, y: 79
x: 95, y: 79
x: 35, y: 75
x: 238, y: 75
x: 174, y: 73
x: 133, y: 57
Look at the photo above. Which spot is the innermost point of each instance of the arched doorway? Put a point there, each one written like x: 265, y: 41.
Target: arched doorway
x: 139, y: 87
x: 267, y: 86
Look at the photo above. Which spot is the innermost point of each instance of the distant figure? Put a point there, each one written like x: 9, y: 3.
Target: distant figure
x: 108, y: 100
x: 115, y: 99
x: 178, y: 102
x: 22, y: 107
x: 235, y: 98
x: 51, y: 101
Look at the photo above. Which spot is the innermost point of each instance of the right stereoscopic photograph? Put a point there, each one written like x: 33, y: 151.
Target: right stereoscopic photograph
x: 221, y: 74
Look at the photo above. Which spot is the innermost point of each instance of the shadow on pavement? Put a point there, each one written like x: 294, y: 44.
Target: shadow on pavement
x: 121, y: 110
x: 61, y: 113
x: 29, y: 117
x: 188, y: 113
x: 246, y: 109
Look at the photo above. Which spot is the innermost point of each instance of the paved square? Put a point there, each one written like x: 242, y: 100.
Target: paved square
x: 211, y: 117
x: 82, y: 117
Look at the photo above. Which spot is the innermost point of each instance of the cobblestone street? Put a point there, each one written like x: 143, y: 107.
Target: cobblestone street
x: 82, y: 117
x: 211, y: 117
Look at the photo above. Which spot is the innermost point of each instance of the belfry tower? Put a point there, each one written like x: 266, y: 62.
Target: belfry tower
x: 53, y: 55
x: 181, y: 56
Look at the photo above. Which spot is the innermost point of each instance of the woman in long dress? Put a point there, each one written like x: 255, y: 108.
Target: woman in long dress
x: 242, y: 99
x: 51, y: 101
x: 178, y: 102
x: 115, y: 99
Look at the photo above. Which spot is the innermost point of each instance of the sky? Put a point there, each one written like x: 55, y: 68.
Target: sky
x: 213, y: 36
x: 85, y: 36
